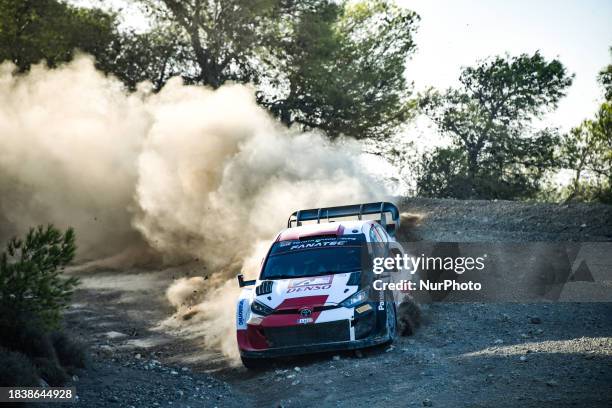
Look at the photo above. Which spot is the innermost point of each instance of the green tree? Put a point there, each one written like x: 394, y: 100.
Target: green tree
x: 587, y: 151
x: 335, y: 66
x: 155, y: 55
x: 605, y: 79
x: 30, y: 281
x: 488, y: 120
x: 33, y: 30
x: 340, y: 67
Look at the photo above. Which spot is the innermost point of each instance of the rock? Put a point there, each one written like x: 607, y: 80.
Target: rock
x: 523, y: 358
x: 173, y: 372
x: 535, y: 320
x: 427, y: 402
x: 296, y: 382
x: 113, y: 398
x: 75, y: 378
x: 391, y: 348
x: 115, y: 335
x: 358, y: 354
x: 298, y: 369
x: 336, y: 358
x: 552, y: 383
x: 137, y: 356
x: 185, y: 369
x: 498, y: 341
x: 290, y: 376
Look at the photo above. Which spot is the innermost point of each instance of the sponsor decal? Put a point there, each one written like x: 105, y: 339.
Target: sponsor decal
x: 363, y: 308
x: 310, y: 284
x: 317, y: 244
x: 241, y: 312
x: 305, y: 320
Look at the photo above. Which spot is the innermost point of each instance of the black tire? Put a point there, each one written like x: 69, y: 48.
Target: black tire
x: 391, y: 321
x: 255, y: 364
x: 409, y: 317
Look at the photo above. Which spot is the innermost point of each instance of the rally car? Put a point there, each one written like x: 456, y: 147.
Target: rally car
x: 314, y: 292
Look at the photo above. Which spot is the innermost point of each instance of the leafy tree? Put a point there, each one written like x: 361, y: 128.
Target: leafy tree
x: 155, y: 56
x: 30, y: 282
x: 340, y: 68
x: 335, y: 66
x: 223, y: 34
x: 605, y: 79
x: 33, y: 30
x: 497, y: 154
x: 587, y: 150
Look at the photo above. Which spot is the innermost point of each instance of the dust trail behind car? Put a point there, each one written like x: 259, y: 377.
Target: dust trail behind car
x: 190, y: 172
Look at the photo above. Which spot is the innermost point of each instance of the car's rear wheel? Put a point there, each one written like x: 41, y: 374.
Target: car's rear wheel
x: 253, y: 363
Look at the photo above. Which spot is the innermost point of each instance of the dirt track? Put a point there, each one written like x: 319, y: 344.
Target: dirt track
x: 470, y: 354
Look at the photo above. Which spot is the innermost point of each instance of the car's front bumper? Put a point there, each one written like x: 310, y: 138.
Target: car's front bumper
x: 352, y: 331
x: 315, y: 348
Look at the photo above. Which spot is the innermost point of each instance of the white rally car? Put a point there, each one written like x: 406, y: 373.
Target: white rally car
x: 314, y: 291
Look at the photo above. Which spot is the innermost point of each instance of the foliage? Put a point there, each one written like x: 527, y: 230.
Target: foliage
x: 340, y: 67
x: 29, y: 274
x: 33, y: 30
x: 32, y: 295
x: 494, y: 152
x: 155, y: 56
x: 335, y: 66
x: 605, y: 79
x: 587, y: 150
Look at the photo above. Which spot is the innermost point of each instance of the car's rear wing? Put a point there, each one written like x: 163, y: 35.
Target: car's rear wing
x: 329, y: 214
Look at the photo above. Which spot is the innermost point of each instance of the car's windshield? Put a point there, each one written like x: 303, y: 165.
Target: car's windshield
x: 297, y: 259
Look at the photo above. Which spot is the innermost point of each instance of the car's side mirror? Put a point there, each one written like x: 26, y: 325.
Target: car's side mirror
x: 242, y: 283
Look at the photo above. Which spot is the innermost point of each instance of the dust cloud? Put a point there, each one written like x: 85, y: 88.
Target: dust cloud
x: 188, y: 171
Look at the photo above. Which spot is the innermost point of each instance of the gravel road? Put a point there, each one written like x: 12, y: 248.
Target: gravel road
x: 465, y: 354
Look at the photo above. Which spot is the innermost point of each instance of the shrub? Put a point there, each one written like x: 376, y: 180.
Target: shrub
x: 32, y: 296
x: 29, y: 275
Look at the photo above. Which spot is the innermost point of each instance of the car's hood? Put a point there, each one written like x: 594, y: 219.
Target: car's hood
x: 322, y: 290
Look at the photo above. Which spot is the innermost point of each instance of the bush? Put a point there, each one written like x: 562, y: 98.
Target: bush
x: 32, y: 296
x: 16, y: 370
x: 29, y: 275
x: 26, y: 334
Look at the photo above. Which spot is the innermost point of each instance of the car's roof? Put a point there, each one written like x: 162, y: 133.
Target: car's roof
x: 339, y: 228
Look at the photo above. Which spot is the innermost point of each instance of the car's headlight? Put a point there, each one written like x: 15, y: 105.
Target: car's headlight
x: 261, y: 309
x: 355, y: 299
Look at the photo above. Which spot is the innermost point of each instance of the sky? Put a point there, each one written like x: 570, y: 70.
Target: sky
x: 456, y: 33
